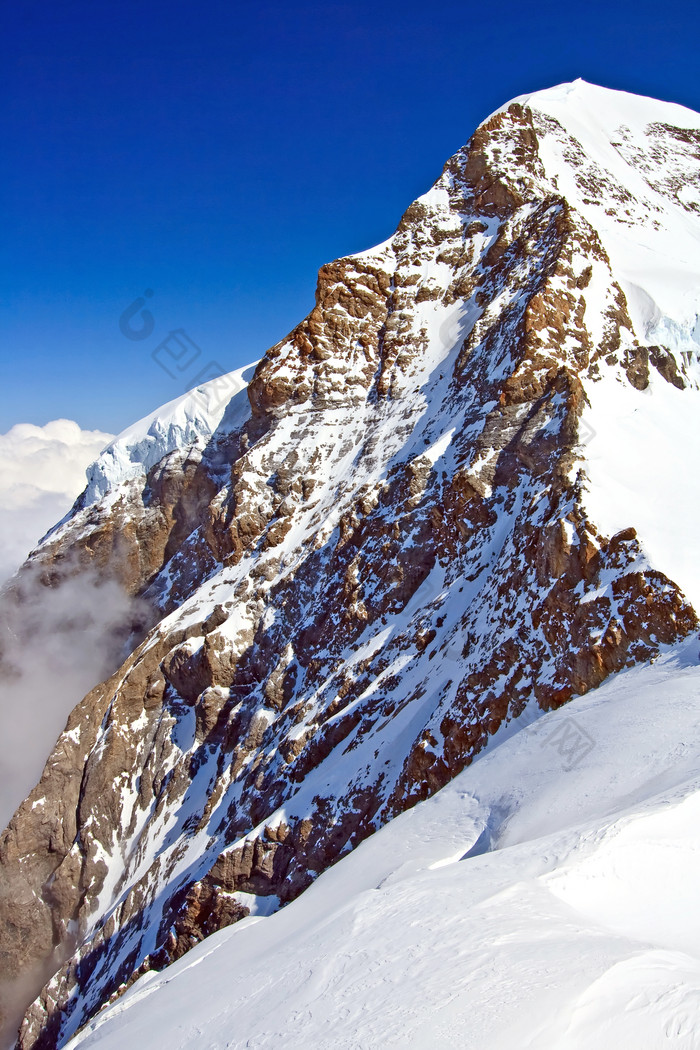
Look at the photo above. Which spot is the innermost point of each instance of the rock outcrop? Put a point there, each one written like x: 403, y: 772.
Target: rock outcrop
x: 363, y: 574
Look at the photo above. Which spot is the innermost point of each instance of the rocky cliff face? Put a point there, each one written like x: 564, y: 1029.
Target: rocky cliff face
x: 374, y: 558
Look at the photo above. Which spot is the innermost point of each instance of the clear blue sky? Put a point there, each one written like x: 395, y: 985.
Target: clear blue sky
x: 218, y: 153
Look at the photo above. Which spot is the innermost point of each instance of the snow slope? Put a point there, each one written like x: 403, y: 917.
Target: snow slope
x: 604, y: 156
x: 545, y: 898
x: 189, y: 420
x: 414, y: 486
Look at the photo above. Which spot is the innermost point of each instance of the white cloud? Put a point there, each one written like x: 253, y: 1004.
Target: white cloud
x: 42, y: 471
x: 56, y: 642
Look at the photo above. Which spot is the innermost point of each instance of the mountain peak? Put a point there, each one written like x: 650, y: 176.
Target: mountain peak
x: 605, y: 107
x: 430, y: 519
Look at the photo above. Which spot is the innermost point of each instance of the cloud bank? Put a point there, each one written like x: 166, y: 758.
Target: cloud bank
x: 57, y: 641
x: 42, y: 471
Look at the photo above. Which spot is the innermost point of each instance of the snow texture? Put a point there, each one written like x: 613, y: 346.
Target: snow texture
x: 189, y: 421
x: 545, y: 898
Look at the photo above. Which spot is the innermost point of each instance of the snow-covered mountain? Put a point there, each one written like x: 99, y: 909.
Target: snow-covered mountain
x: 545, y: 898
x: 459, y: 494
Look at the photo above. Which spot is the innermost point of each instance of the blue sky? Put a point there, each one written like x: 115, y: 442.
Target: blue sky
x: 217, y: 154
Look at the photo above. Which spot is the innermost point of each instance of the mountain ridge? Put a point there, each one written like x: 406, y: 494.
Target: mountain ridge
x: 549, y: 886
x: 381, y: 562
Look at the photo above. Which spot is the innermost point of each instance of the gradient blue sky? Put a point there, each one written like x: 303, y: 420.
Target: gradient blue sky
x: 219, y: 153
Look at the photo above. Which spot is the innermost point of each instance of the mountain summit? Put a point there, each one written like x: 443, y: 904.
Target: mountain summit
x: 454, y: 497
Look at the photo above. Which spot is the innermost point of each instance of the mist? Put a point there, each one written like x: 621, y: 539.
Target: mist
x: 63, y: 629
x: 61, y: 633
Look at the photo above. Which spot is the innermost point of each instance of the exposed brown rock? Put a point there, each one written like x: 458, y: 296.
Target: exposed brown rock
x: 289, y: 554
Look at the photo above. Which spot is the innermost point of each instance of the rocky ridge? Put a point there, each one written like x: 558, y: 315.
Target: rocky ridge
x: 367, y: 568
